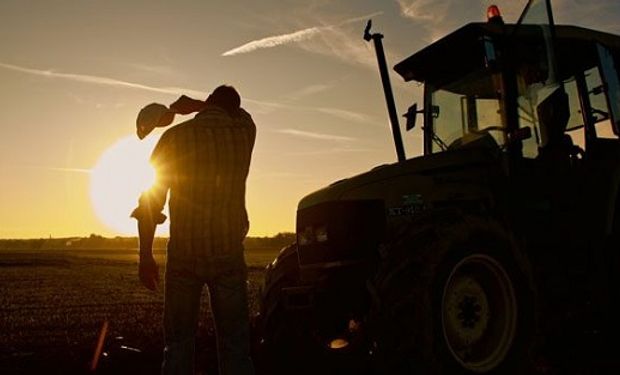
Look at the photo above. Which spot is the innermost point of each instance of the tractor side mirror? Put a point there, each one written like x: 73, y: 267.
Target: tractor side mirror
x: 411, y: 116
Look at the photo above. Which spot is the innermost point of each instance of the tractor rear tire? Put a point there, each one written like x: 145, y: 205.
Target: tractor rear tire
x: 454, y: 296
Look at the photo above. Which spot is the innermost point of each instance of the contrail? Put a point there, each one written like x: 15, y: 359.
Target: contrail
x: 85, y: 78
x: 357, y: 19
x: 344, y: 114
x: 296, y: 36
x: 260, y: 105
x: 55, y: 169
x: 320, y: 136
x: 60, y: 169
x: 415, y: 9
x: 274, y: 41
x: 77, y: 170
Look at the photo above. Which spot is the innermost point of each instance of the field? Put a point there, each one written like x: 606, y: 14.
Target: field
x: 53, y: 304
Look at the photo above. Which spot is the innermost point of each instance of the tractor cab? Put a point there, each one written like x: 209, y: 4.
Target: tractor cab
x: 531, y: 90
x: 496, y: 251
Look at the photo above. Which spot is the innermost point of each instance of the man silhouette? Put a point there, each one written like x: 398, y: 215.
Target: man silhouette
x: 204, y: 163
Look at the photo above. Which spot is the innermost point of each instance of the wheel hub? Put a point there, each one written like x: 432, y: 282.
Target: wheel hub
x: 479, y: 313
x: 469, y: 312
x: 466, y: 311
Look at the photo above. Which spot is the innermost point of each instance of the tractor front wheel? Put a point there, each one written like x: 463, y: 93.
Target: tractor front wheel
x: 454, y: 296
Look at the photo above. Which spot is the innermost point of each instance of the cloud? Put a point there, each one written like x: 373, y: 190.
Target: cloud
x: 344, y: 46
x: 287, y: 103
x: 85, y: 78
x: 312, y: 135
x: 261, y: 175
x: 595, y: 14
x: 422, y: 10
x: 160, y: 70
x: 263, y: 107
x: 53, y: 169
x: 294, y: 37
x: 345, y: 115
x: 75, y: 170
x: 440, y: 17
x: 329, y: 151
x: 274, y: 41
x: 436, y: 17
x: 257, y: 106
x: 348, y: 46
x: 309, y: 90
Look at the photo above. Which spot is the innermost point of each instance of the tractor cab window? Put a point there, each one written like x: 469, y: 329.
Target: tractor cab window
x: 553, y: 110
x: 610, y: 84
x: 599, y: 114
x: 467, y: 111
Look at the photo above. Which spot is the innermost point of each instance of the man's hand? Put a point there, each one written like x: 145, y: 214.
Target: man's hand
x: 147, y: 269
x: 186, y: 105
x: 149, y: 272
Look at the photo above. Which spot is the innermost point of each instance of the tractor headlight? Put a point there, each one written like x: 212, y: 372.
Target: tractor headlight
x: 321, y: 234
x: 310, y: 235
x: 306, y: 236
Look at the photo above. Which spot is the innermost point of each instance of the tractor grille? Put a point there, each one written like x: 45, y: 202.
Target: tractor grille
x: 340, y: 232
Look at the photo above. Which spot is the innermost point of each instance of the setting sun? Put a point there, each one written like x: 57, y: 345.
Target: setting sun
x: 120, y: 175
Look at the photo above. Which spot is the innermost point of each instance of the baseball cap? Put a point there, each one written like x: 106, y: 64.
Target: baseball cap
x: 152, y: 116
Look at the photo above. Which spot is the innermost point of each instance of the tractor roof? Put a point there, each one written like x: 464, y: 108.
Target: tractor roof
x: 462, y: 50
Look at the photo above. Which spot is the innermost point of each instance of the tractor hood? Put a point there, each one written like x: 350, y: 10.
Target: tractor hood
x: 420, y: 167
x: 346, y: 221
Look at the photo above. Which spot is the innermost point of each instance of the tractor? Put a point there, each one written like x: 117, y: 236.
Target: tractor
x: 497, y: 250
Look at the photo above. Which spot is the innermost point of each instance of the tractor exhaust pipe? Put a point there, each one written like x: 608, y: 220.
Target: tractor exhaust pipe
x: 387, y: 89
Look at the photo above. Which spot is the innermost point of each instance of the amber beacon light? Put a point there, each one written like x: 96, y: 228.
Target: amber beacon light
x: 493, y: 14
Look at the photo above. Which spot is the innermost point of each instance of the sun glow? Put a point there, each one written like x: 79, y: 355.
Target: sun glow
x: 122, y: 172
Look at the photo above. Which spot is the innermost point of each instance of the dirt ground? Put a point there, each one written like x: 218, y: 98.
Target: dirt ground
x: 53, y: 305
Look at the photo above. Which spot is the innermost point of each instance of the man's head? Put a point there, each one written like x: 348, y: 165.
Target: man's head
x: 225, y: 97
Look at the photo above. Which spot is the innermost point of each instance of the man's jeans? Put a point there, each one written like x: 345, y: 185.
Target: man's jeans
x: 226, y: 279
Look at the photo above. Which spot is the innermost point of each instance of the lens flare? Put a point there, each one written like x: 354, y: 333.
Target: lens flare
x: 122, y: 172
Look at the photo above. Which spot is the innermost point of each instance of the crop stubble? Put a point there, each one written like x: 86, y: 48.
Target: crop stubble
x: 53, y: 303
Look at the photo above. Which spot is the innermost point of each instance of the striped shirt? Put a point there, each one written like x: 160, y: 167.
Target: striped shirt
x: 204, y: 163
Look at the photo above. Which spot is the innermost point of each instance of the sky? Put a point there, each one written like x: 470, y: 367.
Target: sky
x: 74, y: 74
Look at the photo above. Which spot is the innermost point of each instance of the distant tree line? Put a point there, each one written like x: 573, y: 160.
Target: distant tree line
x: 95, y: 241
x: 278, y: 241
